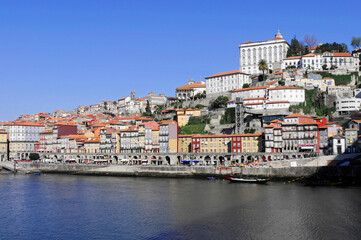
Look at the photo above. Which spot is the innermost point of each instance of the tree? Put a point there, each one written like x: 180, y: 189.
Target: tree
x: 246, y: 85
x: 324, y: 67
x: 311, y: 41
x: 147, y: 108
x: 355, y: 42
x: 332, y: 47
x: 221, y: 101
x: 262, y: 65
x: 34, y: 156
x: 296, y: 48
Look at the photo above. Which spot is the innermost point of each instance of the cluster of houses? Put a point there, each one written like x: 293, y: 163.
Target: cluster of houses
x: 119, y: 127
x: 292, y: 134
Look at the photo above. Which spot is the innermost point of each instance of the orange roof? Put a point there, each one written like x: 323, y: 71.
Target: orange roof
x: 92, y: 140
x: 46, y: 131
x: 342, y: 55
x: 272, y: 82
x: 231, y: 101
x: 190, y: 86
x: 309, y: 55
x: 253, y: 103
x: 260, y: 98
x: 312, y: 48
x: 165, y: 122
x: 276, y: 38
x: 280, y: 88
x: 270, y: 126
x: 248, y: 42
x: 277, y: 102
x: 226, y: 135
x: 297, y: 115
x: 226, y: 73
x: 249, y: 89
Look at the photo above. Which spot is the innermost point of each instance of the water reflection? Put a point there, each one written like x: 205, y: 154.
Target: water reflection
x: 80, y: 207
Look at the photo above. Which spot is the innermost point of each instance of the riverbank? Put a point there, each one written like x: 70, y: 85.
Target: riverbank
x: 350, y: 173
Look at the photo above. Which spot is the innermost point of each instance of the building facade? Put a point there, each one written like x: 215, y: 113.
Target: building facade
x: 273, y: 51
x: 226, y: 81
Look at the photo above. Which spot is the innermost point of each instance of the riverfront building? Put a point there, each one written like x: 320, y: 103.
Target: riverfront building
x: 168, y: 136
x: 22, y: 137
x: 4, y: 145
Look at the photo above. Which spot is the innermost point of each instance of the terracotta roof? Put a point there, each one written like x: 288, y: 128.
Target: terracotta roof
x: 342, y: 55
x: 260, y: 98
x: 280, y: 88
x: 309, y: 55
x: 46, y: 131
x: 277, y: 102
x: 227, y: 135
x: 253, y: 103
x: 297, y: 115
x: 190, y: 86
x: 164, y: 122
x: 276, y: 38
x: 312, y: 48
x: 248, y: 42
x: 249, y: 89
x: 231, y: 101
x: 226, y: 73
x: 272, y: 82
x: 326, y: 78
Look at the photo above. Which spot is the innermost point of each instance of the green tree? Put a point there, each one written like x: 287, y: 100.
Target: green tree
x: 221, y: 101
x: 262, y: 66
x: 332, y: 47
x: 147, y: 108
x: 34, y: 156
x: 246, y: 85
x: 355, y: 42
x: 296, y: 48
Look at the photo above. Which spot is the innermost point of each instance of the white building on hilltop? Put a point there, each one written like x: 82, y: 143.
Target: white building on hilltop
x: 226, y: 81
x: 273, y: 51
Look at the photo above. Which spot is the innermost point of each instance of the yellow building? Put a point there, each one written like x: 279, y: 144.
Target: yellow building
x: 185, y: 143
x: 92, y: 145
x: 211, y: 143
x: 251, y: 142
x: 4, y: 145
x: 184, y: 115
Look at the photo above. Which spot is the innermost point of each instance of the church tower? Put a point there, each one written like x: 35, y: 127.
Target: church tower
x: 132, y: 95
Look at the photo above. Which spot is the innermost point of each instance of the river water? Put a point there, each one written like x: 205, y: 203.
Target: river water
x: 83, y: 207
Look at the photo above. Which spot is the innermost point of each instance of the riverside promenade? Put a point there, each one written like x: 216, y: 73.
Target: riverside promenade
x: 328, y: 166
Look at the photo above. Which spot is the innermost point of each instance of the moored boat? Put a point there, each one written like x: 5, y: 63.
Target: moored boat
x: 247, y: 180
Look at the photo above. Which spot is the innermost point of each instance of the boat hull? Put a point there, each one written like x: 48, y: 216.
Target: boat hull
x: 247, y: 180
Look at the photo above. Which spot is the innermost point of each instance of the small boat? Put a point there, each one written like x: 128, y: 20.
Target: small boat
x: 36, y: 173
x: 211, y: 178
x: 247, y: 180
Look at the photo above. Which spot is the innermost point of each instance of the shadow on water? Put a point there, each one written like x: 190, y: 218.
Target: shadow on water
x: 344, y: 170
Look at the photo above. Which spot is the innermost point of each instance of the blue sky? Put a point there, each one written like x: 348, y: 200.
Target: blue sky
x: 61, y: 54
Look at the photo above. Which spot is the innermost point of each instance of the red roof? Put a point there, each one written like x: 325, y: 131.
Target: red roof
x: 251, y: 88
x: 190, y: 86
x: 260, y: 98
x: 226, y: 73
x: 248, y: 42
x: 277, y: 38
x: 342, y: 55
x: 290, y: 58
x: 280, y: 88
x: 277, y: 102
